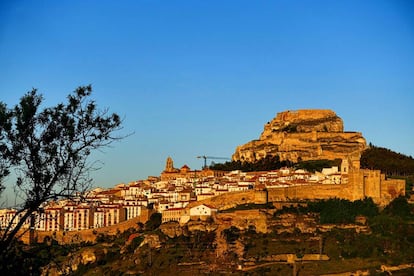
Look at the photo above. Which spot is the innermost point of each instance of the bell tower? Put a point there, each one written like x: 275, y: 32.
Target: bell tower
x: 169, y: 166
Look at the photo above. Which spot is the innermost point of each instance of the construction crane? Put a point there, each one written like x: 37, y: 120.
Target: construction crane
x: 211, y: 157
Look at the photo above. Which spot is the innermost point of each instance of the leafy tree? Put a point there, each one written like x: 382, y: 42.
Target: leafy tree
x: 267, y: 163
x: 48, y: 148
x: 336, y: 210
x: 399, y: 207
x: 317, y: 165
x: 154, y: 222
x: 135, y: 243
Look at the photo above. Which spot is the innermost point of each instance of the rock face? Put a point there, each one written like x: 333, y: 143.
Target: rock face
x: 72, y: 262
x: 303, y: 135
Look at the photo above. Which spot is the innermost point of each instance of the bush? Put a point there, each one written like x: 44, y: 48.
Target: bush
x: 154, y: 222
x: 399, y: 207
x: 231, y: 234
x: 134, y: 244
x: 343, y: 211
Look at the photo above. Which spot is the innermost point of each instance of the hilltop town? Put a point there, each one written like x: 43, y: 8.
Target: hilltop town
x: 267, y: 221
x: 175, y: 194
x: 180, y: 194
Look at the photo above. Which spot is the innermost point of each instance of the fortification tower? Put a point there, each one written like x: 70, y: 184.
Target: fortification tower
x: 345, y: 166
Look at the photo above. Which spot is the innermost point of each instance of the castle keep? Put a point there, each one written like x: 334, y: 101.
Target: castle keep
x: 303, y: 135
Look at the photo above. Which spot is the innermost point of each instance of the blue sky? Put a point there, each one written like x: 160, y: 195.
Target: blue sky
x: 201, y: 77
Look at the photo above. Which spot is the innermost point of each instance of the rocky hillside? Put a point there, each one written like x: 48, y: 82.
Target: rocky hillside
x: 254, y: 241
x: 303, y: 135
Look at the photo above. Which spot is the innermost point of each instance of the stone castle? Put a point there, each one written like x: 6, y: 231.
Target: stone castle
x: 303, y: 135
x: 319, y: 134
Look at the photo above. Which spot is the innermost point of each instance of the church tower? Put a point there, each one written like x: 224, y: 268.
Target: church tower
x: 169, y: 166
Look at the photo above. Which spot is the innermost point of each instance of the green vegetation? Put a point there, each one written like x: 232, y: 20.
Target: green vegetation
x: 389, y: 162
x: 231, y: 234
x: 25, y: 260
x: 135, y: 243
x: 317, y: 165
x: 343, y: 211
x: 273, y: 163
x: 265, y: 164
x: 154, y: 222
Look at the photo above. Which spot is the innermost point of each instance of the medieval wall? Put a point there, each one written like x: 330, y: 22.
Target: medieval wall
x: 361, y: 184
x: 391, y: 188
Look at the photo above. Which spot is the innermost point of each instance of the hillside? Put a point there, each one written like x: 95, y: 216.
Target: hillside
x: 389, y: 162
x: 252, y: 242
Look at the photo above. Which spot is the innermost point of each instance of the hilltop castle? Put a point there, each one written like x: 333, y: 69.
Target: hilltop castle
x: 301, y: 135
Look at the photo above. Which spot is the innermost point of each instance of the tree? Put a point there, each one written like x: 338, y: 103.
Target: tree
x: 48, y: 148
x: 154, y: 222
x: 399, y: 207
x: 231, y: 234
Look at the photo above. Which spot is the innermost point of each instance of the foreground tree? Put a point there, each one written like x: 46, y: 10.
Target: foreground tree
x: 48, y: 150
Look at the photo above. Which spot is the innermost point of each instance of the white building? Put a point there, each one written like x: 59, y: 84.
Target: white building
x: 202, y: 211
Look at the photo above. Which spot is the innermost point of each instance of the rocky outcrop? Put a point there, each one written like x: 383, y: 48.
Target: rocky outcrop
x: 73, y: 261
x: 243, y: 219
x: 171, y: 229
x: 153, y: 240
x: 303, y: 135
x: 203, y: 226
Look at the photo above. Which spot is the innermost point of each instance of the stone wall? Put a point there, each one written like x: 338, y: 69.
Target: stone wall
x: 360, y: 183
x: 228, y: 200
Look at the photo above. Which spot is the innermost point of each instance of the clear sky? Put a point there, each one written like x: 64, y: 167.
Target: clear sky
x: 201, y: 77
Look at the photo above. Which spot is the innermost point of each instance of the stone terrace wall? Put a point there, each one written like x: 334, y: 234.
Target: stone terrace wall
x: 310, y: 192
